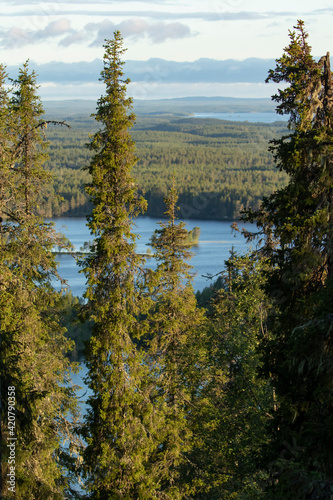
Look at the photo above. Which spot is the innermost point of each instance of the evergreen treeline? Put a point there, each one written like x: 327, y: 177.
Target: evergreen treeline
x: 224, y: 395
x: 220, y: 167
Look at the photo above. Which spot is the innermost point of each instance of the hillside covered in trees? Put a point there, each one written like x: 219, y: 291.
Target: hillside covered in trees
x: 226, y: 395
x: 220, y: 167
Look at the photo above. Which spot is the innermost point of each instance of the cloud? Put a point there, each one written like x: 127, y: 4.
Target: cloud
x: 218, y: 12
x: 159, y: 32
x: 15, y: 37
x: 99, y: 31
x: 137, y: 28
x: 75, y: 37
x: 18, y: 37
x: 54, y: 29
x: 94, y: 33
x: 78, y: 2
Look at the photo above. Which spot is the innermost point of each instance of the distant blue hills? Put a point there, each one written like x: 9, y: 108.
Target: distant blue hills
x: 251, y: 70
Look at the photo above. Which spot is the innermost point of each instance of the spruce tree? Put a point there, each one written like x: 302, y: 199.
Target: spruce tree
x: 6, y: 138
x: 174, y: 350
x: 296, y: 223
x: 120, y: 418
x: 231, y: 414
x: 33, y: 365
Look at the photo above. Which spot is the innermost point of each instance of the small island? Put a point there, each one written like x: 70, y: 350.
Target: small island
x: 192, y: 237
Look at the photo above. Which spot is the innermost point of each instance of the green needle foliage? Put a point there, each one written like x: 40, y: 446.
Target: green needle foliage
x: 6, y: 137
x: 176, y: 328
x: 119, y: 421
x: 33, y: 345
x: 230, y: 417
x: 232, y: 400
x: 296, y: 223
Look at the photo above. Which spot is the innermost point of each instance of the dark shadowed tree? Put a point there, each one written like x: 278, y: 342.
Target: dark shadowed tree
x: 231, y: 414
x: 296, y: 224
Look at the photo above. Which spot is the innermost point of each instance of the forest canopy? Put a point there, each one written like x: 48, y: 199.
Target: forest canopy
x: 221, y: 167
x: 224, y: 395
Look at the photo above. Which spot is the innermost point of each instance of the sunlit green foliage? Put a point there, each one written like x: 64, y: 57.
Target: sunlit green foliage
x: 174, y: 351
x: 121, y: 425
x: 220, y: 167
x: 33, y: 345
x: 225, y: 397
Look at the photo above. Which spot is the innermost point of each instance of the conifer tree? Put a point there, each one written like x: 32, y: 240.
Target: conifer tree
x: 230, y: 417
x: 296, y: 223
x: 176, y: 337
x: 119, y: 422
x: 33, y: 365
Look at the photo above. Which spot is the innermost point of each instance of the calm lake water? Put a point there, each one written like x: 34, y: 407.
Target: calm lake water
x: 244, y: 117
x: 215, y: 243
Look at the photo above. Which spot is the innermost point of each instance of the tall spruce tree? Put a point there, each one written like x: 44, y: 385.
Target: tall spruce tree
x: 231, y: 414
x: 174, y: 351
x: 4, y: 145
x: 120, y: 417
x: 6, y: 138
x: 296, y: 223
x: 34, y: 369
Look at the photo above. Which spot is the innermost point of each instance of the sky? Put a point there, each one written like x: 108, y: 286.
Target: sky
x: 175, y: 48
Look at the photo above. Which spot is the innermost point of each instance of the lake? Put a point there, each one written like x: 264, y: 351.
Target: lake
x: 255, y: 117
x: 215, y: 243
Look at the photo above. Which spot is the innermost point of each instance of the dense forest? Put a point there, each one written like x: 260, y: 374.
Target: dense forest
x: 220, y: 167
x: 223, y: 395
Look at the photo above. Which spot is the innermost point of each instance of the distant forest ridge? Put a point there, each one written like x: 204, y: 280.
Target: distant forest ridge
x: 185, y: 105
x: 221, y: 167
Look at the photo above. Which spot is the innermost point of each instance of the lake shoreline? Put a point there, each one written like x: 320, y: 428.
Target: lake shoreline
x: 204, y: 219
x: 214, y: 245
